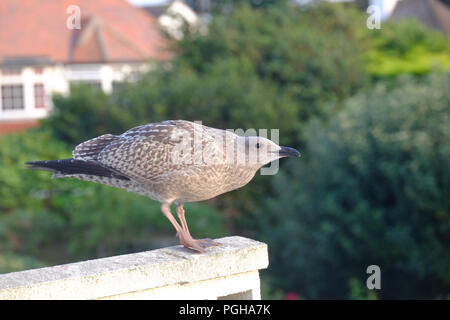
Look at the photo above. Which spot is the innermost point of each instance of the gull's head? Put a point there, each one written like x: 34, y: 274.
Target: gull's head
x: 258, y: 151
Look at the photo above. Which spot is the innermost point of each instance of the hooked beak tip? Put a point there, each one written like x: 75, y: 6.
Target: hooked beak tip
x: 288, y: 152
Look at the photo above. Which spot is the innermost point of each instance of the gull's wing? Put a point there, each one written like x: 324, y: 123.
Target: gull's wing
x: 147, y: 152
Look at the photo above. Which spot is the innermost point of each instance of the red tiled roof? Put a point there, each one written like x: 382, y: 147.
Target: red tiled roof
x: 87, y: 44
x: 111, y: 30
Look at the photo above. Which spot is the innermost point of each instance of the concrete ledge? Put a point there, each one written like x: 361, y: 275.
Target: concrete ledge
x: 228, y: 271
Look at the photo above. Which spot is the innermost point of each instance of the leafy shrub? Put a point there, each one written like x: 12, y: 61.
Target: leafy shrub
x: 406, y: 46
x: 372, y: 188
x: 86, y: 113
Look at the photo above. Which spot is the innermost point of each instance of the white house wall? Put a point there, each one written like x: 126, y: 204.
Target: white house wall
x: 57, y: 78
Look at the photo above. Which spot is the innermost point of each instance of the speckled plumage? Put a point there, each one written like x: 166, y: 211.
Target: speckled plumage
x: 172, y: 161
x: 145, y: 155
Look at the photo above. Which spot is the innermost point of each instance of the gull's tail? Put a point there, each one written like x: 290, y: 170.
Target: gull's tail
x: 68, y: 167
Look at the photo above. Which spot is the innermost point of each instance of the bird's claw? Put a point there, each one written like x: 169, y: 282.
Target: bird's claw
x: 198, y: 245
x: 207, y: 242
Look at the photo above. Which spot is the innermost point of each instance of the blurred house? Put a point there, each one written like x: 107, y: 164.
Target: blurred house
x: 43, y: 51
x: 173, y: 16
x: 432, y: 13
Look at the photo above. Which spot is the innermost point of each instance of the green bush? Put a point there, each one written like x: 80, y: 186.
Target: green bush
x: 25, y: 195
x: 372, y: 188
x: 406, y: 46
x: 312, y: 55
x: 86, y: 113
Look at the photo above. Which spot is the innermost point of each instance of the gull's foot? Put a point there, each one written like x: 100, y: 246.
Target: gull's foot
x: 198, y: 245
x: 207, y: 242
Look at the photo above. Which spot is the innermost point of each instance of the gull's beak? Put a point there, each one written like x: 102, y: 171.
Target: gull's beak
x: 288, y: 152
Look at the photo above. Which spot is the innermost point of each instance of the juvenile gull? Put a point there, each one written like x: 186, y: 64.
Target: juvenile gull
x: 174, y: 161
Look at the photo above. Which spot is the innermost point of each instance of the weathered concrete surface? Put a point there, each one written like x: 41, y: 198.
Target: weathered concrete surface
x: 168, y: 273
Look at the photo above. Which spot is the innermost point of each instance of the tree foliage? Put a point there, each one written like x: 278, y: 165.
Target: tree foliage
x: 406, y: 46
x: 312, y: 55
x: 372, y: 189
x: 86, y: 113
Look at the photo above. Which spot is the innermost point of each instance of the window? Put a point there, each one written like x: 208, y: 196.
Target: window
x: 39, y: 96
x: 12, y: 97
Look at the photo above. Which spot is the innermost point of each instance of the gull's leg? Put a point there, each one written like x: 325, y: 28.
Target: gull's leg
x: 192, y: 243
x: 180, y: 213
x: 165, y: 208
x: 185, y: 238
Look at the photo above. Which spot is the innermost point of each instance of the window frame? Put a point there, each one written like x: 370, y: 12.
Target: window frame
x: 39, y: 99
x: 11, y: 100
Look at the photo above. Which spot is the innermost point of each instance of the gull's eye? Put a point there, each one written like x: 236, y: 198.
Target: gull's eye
x: 257, y: 145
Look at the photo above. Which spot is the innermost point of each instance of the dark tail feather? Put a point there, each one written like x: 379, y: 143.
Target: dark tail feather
x: 72, y: 166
